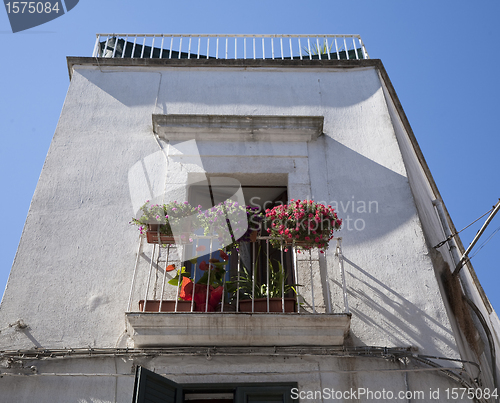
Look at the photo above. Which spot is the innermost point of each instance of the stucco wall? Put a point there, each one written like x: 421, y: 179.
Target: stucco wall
x: 72, y: 273
x: 318, y: 379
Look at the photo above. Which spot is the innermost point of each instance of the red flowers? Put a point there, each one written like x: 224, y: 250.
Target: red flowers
x: 309, y: 224
x: 200, y: 295
x: 215, y: 296
x: 170, y: 267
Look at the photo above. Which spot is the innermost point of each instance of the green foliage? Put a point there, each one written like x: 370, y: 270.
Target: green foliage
x: 241, y: 221
x: 166, y: 216
x: 216, y: 277
x: 276, y: 288
x: 178, y: 278
x: 323, y: 49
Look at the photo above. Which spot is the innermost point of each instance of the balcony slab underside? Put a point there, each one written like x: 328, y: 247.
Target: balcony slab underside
x: 151, y: 329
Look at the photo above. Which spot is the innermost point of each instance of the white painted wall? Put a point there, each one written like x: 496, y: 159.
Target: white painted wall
x: 326, y: 375
x: 71, y: 276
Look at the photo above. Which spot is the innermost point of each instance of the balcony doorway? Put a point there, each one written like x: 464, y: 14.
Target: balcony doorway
x: 255, y: 260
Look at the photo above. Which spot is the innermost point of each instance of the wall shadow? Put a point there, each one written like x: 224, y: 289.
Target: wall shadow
x: 403, y: 324
x: 372, y: 200
x: 254, y: 88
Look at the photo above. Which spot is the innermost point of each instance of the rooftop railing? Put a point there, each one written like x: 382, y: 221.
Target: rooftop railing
x: 175, y: 46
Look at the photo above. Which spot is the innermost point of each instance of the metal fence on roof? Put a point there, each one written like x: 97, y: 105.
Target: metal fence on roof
x: 178, y: 46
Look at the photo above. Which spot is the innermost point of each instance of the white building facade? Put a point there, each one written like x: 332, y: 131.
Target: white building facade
x: 380, y: 315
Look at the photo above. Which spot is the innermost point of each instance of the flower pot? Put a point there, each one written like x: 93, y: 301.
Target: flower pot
x: 304, y: 244
x: 166, y: 306
x: 152, y: 236
x: 260, y: 305
x: 253, y: 236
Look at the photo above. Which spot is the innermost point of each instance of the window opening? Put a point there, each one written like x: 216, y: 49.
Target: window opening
x: 254, y: 257
x: 150, y: 386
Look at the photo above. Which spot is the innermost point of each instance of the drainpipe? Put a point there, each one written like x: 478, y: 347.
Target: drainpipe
x: 447, y: 231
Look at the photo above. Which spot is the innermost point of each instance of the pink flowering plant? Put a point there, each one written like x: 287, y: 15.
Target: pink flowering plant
x: 305, y: 223
x: 164, y: 217
x: 231, y: 222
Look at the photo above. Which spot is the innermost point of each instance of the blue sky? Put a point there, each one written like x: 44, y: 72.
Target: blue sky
x: 440, y: 56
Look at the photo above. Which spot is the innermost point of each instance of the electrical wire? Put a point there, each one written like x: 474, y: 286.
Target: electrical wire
x: 485, y: 242
x: 392, y: 354
x: 458, y: 232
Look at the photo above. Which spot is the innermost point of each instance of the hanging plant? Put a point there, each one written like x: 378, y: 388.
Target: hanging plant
x: 232, y: 223
x: 305, y: 224
x: 169, y: 220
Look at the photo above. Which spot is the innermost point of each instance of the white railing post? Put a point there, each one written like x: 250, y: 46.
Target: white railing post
x: 253, y: 276
x: 346, y: 50
x: 238, y: 282
x: 282, y: 281
x: 161, y: 46
x: 105, y: 47
x: 342, y: 274
x: 355, y: 50
x: 143, y: 47
x: 296, y: 272
x: 133, y: 48
x: 267, y: 265
x: 319, y: 49
x: 96, y: 46
x: 134, y: 276
x: 327, y: 286
x: 164, y: 277
x: 312, y: 281
x: 149, y: 278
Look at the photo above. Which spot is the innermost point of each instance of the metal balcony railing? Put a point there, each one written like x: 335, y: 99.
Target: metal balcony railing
x: 253, y: 280
x: 292, y: 47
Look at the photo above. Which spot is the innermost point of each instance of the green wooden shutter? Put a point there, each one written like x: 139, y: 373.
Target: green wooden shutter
x: 150, y: 387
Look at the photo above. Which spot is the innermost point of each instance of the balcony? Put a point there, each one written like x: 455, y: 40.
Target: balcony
x: 270, y: 296
x: 284, y: 47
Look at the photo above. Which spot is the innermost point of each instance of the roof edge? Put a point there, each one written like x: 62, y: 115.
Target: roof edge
x: 253, y: 63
